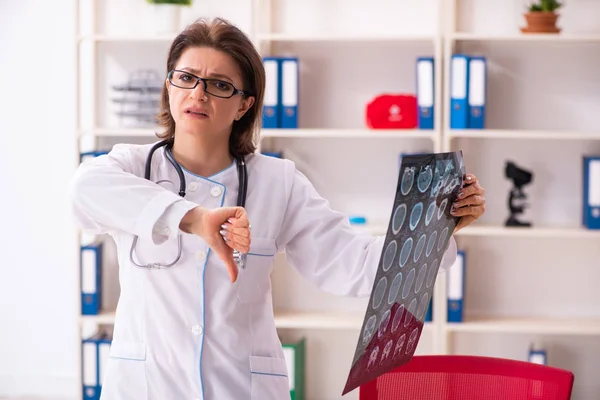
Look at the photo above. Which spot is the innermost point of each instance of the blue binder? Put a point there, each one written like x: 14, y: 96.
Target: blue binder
x: 477, y: 92
x: 91, y: 278
x: 429, y: 314
x: 89, y: 367
x: 275, y: 154
x: 456, y: 288
x: 95, y: 351
x: 289, y: 92
x: 91, y: 154
x: 425, y: 92
x: 538, y: 356
x: 271, y: 117
x: 459, y: 91
x: 103, y: 343
x: 591, y: 192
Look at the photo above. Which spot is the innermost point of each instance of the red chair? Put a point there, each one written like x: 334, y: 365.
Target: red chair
x: 461, y: 377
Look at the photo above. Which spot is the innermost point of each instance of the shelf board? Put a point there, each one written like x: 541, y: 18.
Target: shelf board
x: 557, y: 326
x: 503, y: 231
x: 283, y: 319
x: 318, y: 320
x: 533, y: 232
x: 337, y: 37
x: 295, y: 133
x: 122, y: 132
x: 526, y: 37
x: 128, y: 38
x: 522, y: 134
x: 322, y: 320
x: 105, y: 317
x: 349, y: 133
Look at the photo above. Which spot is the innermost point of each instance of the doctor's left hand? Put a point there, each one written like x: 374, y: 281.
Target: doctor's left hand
x: 223, y: 229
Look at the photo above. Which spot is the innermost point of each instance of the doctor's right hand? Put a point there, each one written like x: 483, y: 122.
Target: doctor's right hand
x: 222, y: 229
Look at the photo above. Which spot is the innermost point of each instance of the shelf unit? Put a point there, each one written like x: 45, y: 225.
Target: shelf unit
x: 526, y: 136
x: 443, y: 42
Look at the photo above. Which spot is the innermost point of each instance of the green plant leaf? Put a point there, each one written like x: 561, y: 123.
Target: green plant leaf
x: 176, y: 2
x: 544, y: 5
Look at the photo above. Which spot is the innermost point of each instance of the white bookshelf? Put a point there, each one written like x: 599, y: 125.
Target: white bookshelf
x: 504, y: 263
x: 447, y: 34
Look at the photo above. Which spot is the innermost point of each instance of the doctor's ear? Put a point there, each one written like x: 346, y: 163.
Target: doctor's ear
x: 245, y: 105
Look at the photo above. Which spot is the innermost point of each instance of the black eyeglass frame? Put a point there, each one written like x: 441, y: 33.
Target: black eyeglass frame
x: 205, y: 82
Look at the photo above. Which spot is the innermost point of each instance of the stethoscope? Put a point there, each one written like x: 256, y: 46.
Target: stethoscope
x: 241, y: 201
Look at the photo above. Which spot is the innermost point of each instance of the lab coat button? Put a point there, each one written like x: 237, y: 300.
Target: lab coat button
x: 197, y: 330
x: 167, y: 231
x: 201, y: 255
x: 216, y: 191
x: 193, y: 186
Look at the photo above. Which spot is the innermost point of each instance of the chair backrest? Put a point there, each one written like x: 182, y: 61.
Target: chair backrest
x: 462, y: 377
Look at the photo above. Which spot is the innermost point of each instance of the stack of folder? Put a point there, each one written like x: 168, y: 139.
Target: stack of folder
x: 295, y: 354
x: 91, y: 278
x: 94, y: 356
x: 280, y: 105
x: 468, y: 76
x: 91, y: 154
x: 537, y: 355
x: 591, y: 192
x: 456, y: 288
x: 425, y: 92
x: 90, y: 265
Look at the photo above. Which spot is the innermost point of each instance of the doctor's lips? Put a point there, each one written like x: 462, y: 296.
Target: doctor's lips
x: 196, y: 112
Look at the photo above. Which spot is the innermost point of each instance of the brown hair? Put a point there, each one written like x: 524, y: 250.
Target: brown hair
x: 221, y: 35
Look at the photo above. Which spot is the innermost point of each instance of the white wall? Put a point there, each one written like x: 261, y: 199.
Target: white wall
x: 38, y: 249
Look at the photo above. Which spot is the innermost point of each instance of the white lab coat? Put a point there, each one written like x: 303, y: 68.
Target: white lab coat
x: 187, y: 332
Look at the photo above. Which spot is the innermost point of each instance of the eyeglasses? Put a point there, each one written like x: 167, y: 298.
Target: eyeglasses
x: 215, y: 87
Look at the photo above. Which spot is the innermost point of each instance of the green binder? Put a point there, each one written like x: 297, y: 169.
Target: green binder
x: 294, y: 357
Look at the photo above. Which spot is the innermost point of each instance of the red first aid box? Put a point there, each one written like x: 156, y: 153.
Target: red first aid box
x: 392, y: 111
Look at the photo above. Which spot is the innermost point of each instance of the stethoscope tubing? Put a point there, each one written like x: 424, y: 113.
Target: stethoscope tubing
x: 239, y: 258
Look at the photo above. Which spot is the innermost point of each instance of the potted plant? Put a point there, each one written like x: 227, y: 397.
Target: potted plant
x: 541, y: 17
x: 166, y: 14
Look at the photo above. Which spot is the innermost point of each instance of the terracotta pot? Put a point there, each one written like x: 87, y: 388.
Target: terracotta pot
x: 541, y: 22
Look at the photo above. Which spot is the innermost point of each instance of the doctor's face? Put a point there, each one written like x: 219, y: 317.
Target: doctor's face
x: 207, y: 111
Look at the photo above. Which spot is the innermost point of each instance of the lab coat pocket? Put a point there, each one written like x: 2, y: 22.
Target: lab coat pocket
x: 126, y: 372
x: 269, y: 378
x: 255, y: 278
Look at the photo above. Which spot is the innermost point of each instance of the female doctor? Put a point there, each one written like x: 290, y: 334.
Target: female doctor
x: 191, y: 323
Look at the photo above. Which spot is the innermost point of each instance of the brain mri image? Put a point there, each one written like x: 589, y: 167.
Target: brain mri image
x: 418, y: 234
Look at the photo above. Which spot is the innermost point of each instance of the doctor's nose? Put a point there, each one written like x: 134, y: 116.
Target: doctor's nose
x: 199, y: 92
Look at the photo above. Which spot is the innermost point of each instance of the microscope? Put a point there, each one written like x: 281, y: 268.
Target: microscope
x: 517, y: 198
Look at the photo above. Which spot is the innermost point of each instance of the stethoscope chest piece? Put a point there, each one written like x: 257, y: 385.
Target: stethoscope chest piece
x: 240, y: 259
